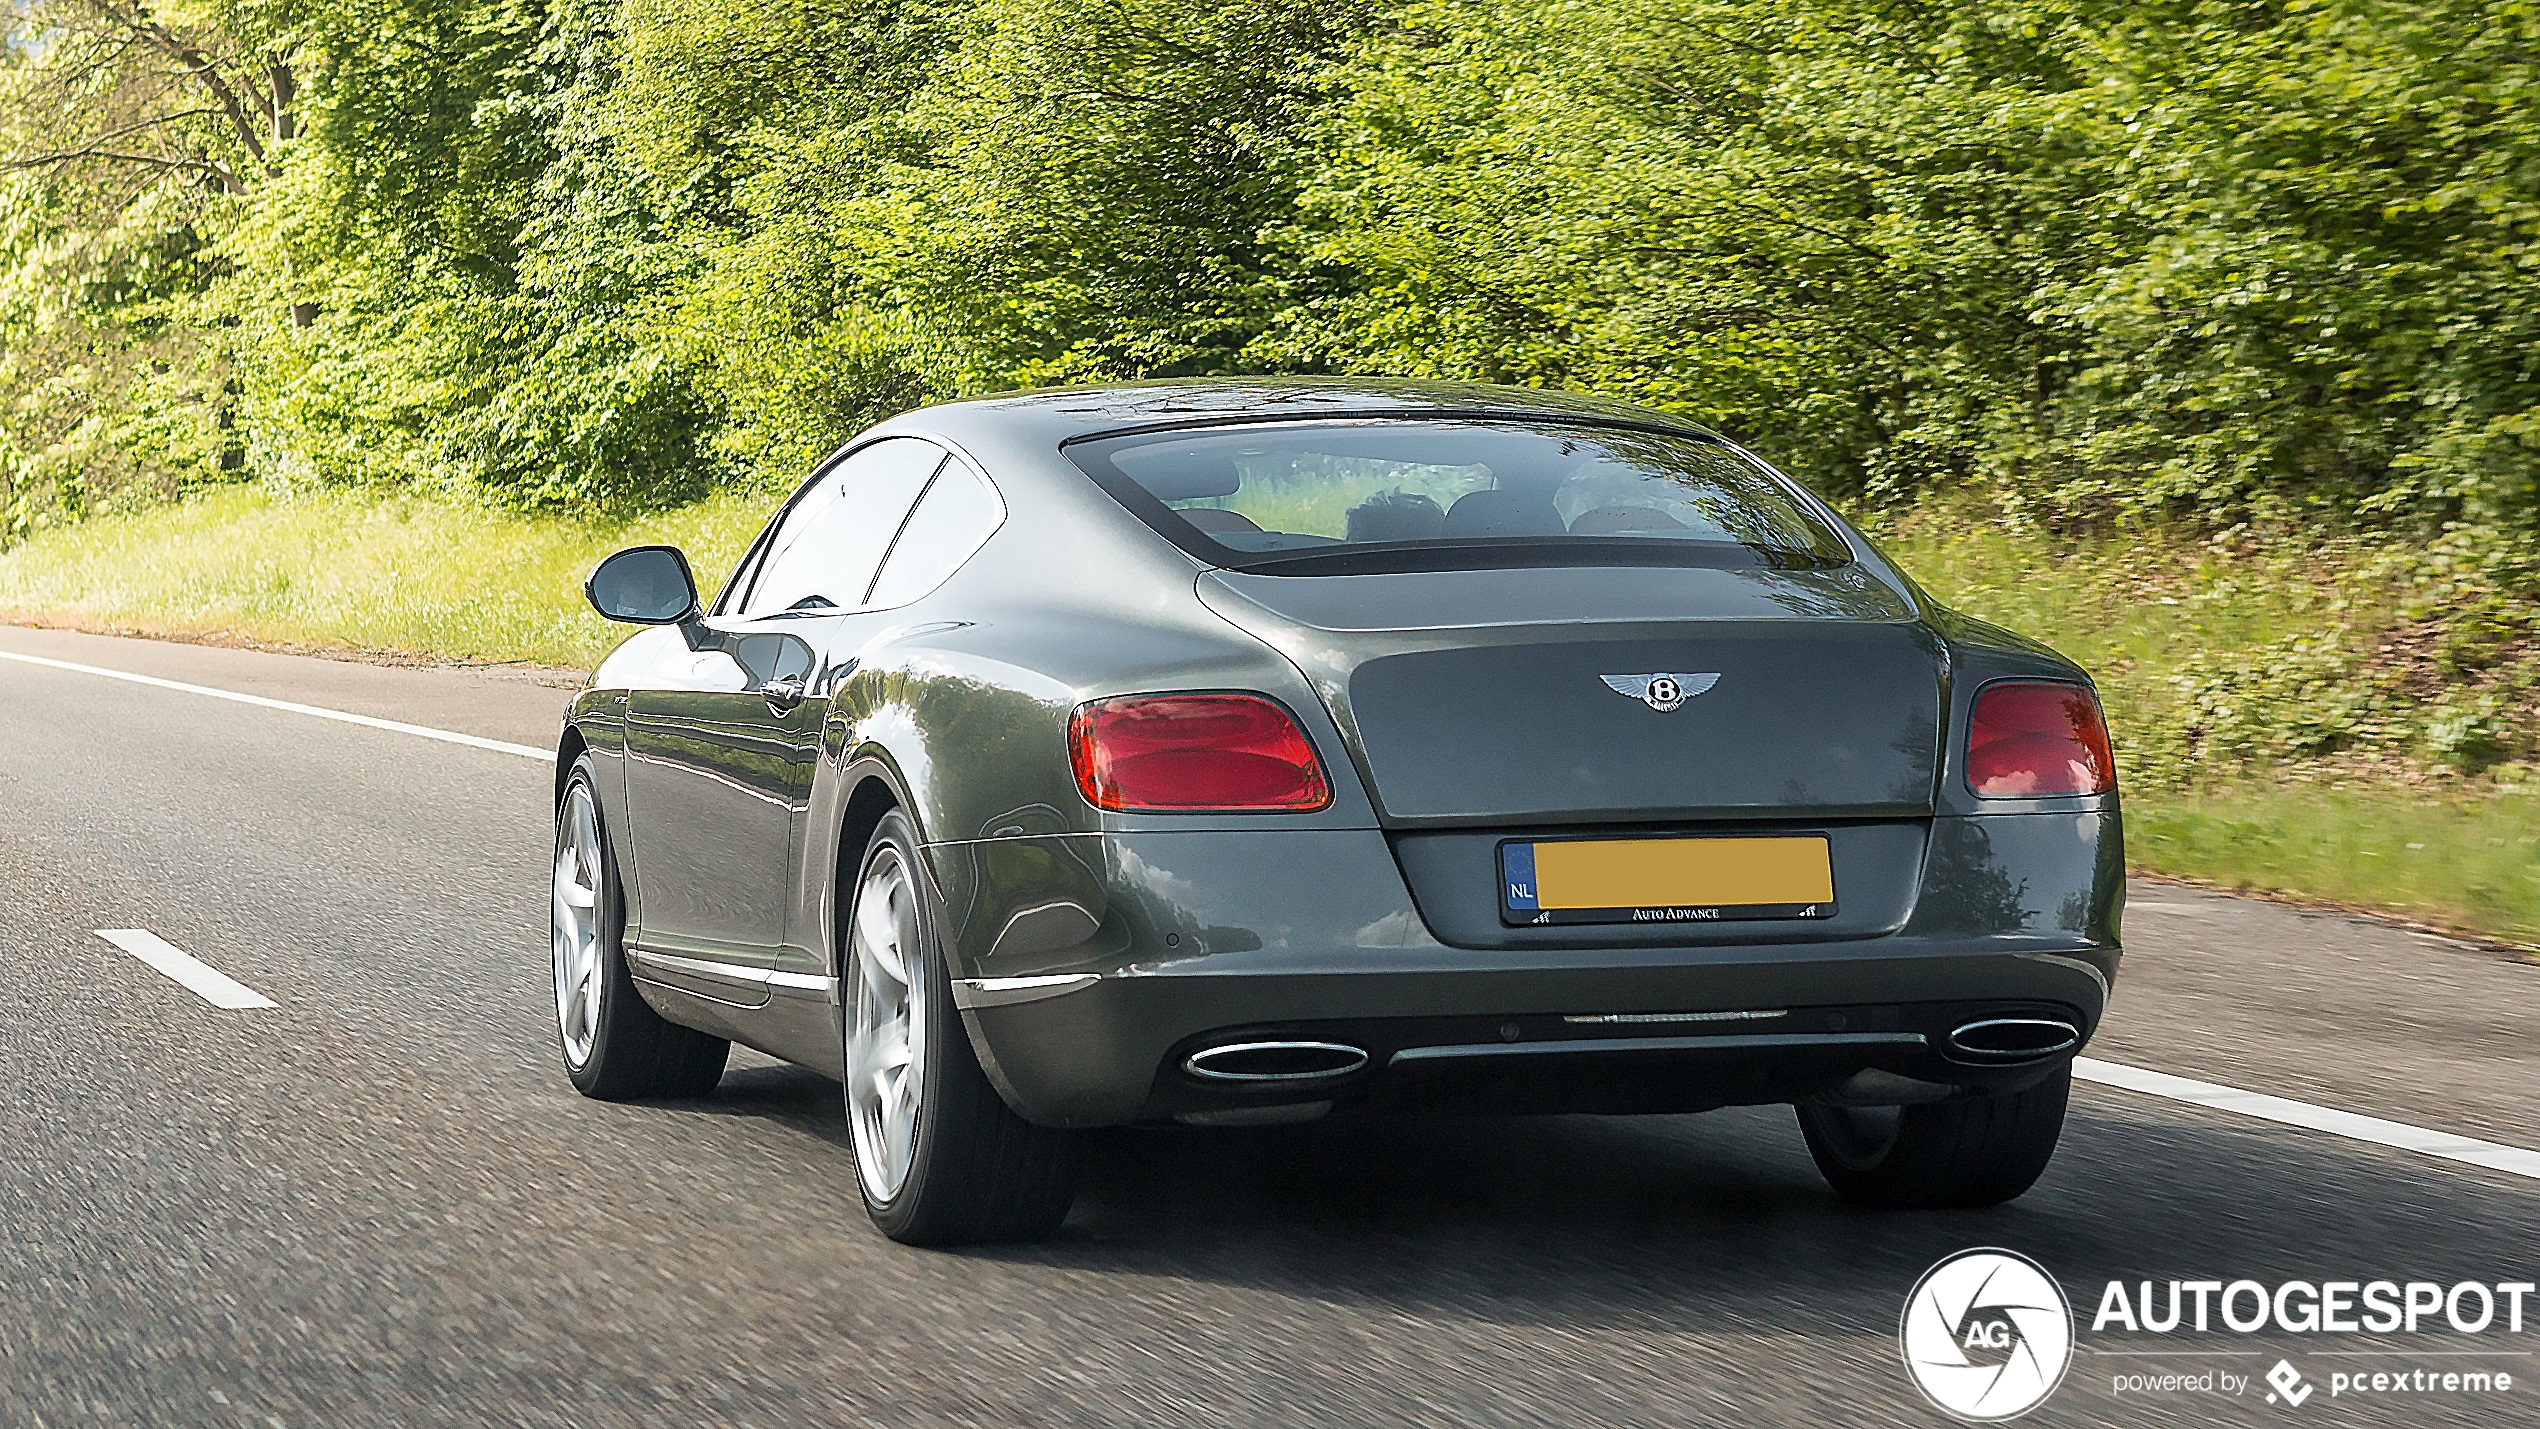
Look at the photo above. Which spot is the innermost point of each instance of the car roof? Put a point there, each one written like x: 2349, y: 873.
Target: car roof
x: 1065, y: 413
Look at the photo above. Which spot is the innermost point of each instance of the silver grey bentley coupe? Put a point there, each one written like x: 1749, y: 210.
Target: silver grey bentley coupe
x: 1240, y: 752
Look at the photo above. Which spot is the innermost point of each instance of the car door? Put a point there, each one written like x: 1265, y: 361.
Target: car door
x: 719, y: 752
x: 957, y: 513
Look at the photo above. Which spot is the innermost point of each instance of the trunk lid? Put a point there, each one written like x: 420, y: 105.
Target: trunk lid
x: 1526, y: 697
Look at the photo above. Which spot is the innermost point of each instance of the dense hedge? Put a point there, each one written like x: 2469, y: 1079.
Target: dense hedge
x: 2212, y: 262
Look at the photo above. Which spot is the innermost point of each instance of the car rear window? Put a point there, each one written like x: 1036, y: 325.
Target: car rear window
x: 1349, y: 497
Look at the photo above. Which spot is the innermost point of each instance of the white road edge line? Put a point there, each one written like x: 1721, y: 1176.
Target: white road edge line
x: 2466, y: 1149
x: 186, y: 970
x: 447, y: 736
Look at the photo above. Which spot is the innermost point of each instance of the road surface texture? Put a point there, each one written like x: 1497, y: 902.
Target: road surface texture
x: 379, y: 1202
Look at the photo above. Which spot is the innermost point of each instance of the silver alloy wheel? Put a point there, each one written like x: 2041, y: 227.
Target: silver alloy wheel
x: 577, y: 925
x: 886, y: 1032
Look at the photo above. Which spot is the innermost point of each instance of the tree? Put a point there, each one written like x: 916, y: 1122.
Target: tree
x: 207, y: 91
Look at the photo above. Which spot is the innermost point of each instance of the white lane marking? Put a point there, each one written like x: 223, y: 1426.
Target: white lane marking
x: 186, y: 970
x: 447, y: 736
x: 2348, y: 1124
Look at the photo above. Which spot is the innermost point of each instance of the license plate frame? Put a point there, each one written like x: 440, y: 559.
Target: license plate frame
x: 1602, y: 880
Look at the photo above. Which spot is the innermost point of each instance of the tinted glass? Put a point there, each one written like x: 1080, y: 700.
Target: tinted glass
x: 831, y: 539
x: 953, y: 519
x: 1313, y: 497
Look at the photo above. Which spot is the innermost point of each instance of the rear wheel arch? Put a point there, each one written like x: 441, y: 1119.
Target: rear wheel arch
x: 873, y: 793
x: 876, y: 793
x: 974, y: 1170
x: 873, y: 798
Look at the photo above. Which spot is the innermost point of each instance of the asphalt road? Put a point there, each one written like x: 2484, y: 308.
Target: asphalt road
x: 381, y: 1203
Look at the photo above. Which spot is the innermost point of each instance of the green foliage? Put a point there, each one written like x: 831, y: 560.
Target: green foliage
x: 484, y: 268
x: 2253, y: 271
x: 2217, y: 262
x: 2203, y: 261
x: 2330, y: 663
x: 1005, y: 195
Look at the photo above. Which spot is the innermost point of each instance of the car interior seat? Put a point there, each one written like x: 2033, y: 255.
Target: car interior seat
x: 1504, y: 513
x: 1395, y: 516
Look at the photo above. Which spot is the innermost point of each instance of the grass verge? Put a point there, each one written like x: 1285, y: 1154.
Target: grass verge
x: 2467, y: 861
x: 2236, y: 775
x: 398, y: 575
x: 355, y: 571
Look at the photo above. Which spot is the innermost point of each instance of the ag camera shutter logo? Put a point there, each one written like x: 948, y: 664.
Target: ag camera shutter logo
x: 1987, y: 1335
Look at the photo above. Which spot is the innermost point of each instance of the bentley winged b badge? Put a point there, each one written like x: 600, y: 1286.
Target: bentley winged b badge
x: 1660, y: 692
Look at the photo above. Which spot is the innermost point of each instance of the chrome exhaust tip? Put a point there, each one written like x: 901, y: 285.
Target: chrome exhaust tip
x: 2012, y: 1039
x: 1274, y: 1061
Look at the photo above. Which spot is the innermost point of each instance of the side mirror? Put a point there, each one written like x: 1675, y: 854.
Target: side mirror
x: 644, y: 585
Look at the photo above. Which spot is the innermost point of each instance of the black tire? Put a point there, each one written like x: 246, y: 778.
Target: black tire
x: 636, y: 1054
x: 1940, y: 1156
x: 977, y: 1173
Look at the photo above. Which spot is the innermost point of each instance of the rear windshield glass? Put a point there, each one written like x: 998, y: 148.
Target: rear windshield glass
x: 1306, y: 498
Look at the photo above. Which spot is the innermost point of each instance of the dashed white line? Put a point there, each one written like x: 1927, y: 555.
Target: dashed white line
x: 186, y: 970
x: 2286, y: 1111
x: 447, y: 736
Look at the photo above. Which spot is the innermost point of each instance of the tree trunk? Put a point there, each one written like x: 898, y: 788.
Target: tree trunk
x: 285, y: 88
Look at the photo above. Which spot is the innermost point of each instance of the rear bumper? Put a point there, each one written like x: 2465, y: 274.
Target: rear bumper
x: 1650, y: 1037
x: 1178, y: 942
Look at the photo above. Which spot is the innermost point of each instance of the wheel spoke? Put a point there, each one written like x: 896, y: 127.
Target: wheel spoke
x: 891, y: 1050
x: 899, y: 1129
x: 578, y: 882
x: 588, y: 998
x: 586, y: 840
x: 883, y: 994
x: 880, y: 1050
x: 878, y: 929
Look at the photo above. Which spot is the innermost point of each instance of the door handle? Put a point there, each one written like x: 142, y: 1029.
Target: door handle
x: 784, y: 693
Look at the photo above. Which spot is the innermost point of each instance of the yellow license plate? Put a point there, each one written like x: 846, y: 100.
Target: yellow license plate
x: 1666, y: 880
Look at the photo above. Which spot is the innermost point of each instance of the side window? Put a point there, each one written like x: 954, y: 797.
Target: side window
x: 826, y: 551
x: 959, y: 512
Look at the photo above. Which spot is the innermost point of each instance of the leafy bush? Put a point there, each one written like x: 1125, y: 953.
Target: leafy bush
x: 2205, y: 262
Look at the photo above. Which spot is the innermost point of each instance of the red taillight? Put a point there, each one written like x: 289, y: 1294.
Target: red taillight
x: 2028, y: 740
x: 1192, y: 752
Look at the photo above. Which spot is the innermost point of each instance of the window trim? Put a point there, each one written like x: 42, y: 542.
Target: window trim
x: 995, y: 496
x: 745, y: 576
x: 873, y: 582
